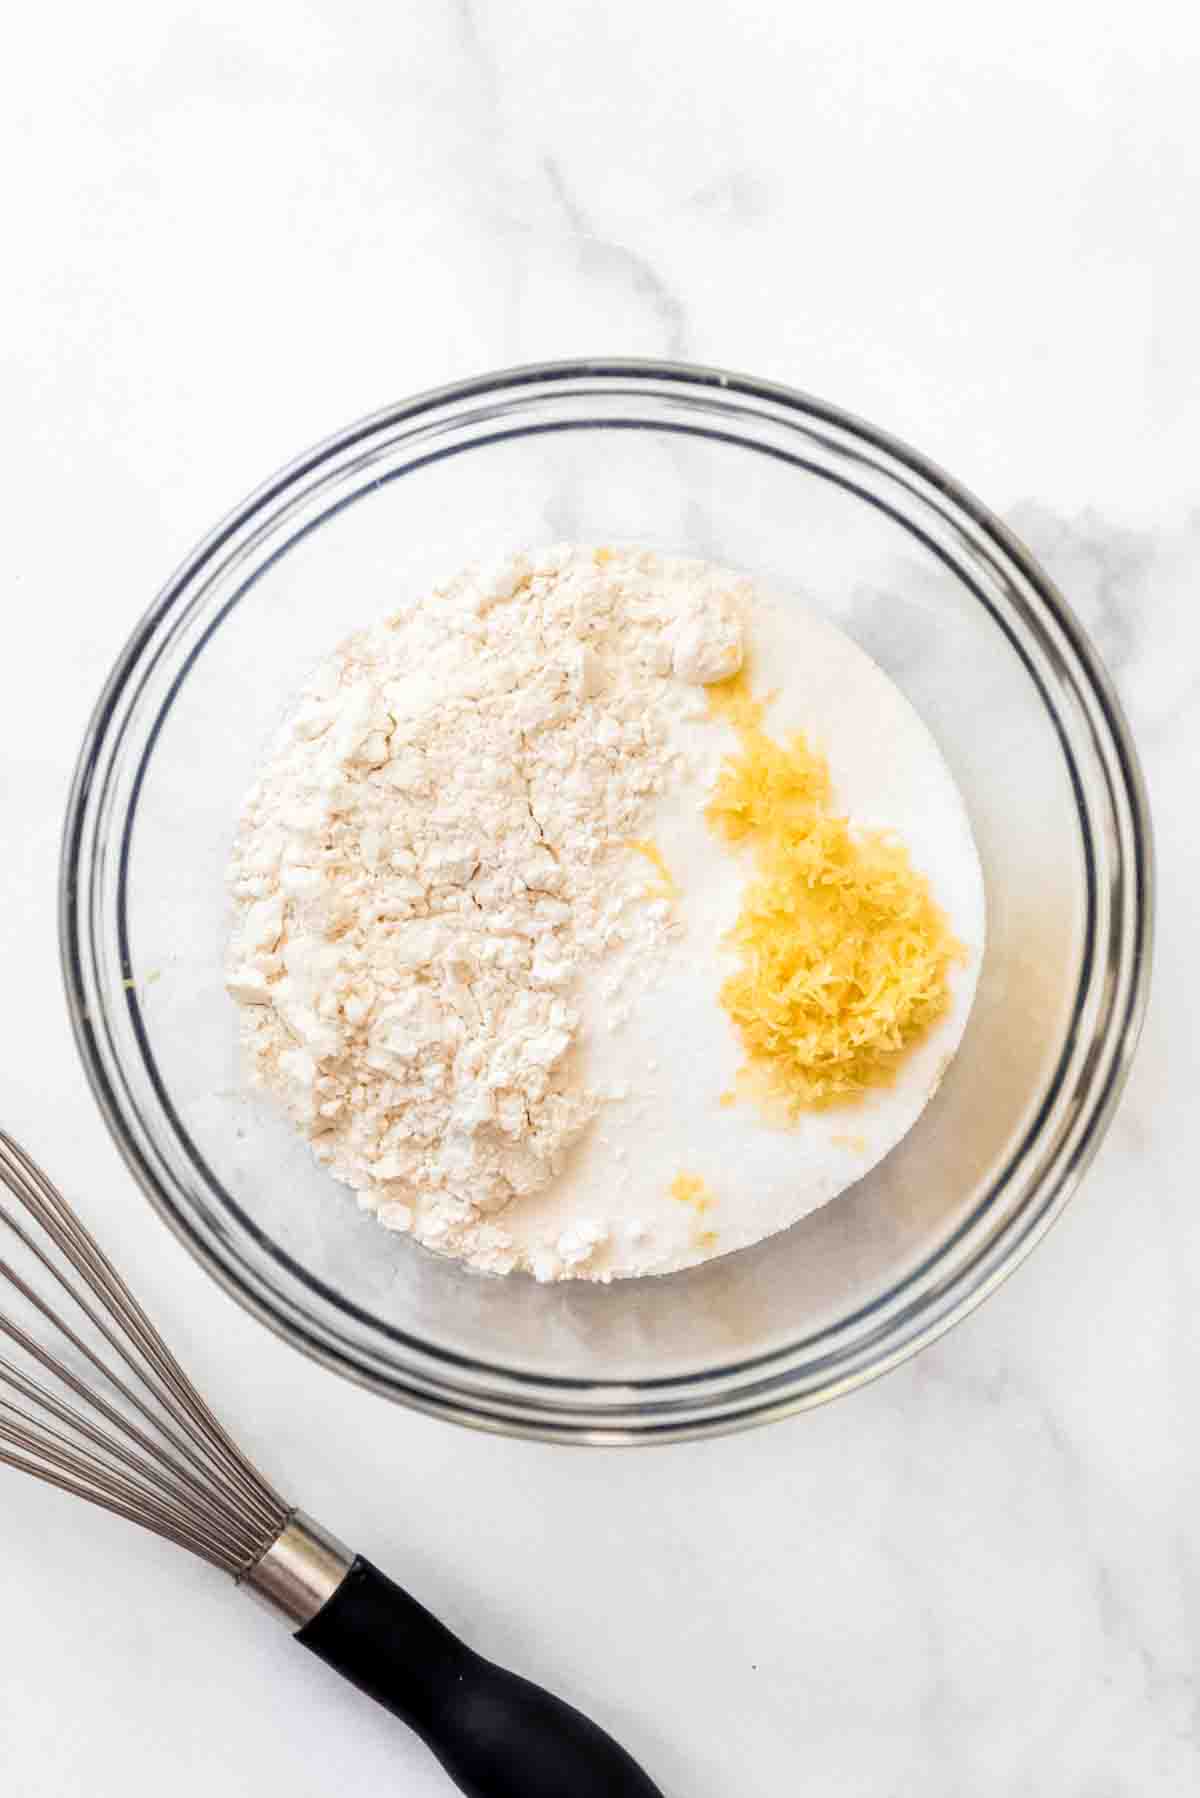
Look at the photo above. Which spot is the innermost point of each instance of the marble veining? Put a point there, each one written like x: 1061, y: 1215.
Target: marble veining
x: 602, y: 260
x: 232, y: 230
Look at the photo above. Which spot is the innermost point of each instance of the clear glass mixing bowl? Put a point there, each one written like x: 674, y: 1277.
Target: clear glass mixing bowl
x: 742, y: 473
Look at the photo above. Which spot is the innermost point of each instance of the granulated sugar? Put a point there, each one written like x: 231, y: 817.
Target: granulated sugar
x: 480, y: 918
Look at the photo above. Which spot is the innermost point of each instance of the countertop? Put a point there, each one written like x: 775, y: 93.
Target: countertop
x: 232, y: 229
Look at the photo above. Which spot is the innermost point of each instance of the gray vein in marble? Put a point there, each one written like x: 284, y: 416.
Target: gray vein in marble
x: 467, y: 16
x: 1134, y: 593
x: 1100, y: 568
x: 488, y: 156
x: 602, y: 260
x: 605, y: 259
x: 738, y: 197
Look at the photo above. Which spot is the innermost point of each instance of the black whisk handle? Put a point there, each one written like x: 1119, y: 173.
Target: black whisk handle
x: 497, y: 1735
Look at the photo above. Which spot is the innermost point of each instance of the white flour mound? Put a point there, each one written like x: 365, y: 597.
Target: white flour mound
x: 435, y: 857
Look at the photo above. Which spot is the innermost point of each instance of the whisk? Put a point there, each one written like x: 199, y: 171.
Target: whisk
x: 93, y: 1401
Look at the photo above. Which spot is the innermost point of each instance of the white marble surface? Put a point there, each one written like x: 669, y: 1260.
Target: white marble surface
x: 229, y: 230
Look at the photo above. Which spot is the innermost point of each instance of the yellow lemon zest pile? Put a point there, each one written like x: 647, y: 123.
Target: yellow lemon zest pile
x: 843, y: 954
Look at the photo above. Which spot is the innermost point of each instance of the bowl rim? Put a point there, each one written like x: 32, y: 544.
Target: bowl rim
x: 679, y: 1406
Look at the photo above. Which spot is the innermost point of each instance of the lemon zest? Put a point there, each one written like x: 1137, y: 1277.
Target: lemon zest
x: 843, y: 954
x: 691, y: 1189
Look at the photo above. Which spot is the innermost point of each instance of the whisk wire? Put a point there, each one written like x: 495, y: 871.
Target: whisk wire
x: 127, y: 1462
x: 161, y: 1375
x: 110, y: 1414
x: 168, y: 1465
x: 57, y: 1452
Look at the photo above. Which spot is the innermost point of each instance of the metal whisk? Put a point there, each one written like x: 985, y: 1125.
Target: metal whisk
x: 93, y: 1401
x: 150, y: 1450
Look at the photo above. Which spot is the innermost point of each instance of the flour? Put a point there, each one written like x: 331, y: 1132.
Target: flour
x: 436, y: 864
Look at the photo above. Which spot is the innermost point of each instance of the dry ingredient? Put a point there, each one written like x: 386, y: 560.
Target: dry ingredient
x: 482, y: 924
x: 444, y: 842
x: 843, y: 955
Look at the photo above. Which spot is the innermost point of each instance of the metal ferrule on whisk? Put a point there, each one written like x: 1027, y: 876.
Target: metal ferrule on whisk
x: 300, y: 1572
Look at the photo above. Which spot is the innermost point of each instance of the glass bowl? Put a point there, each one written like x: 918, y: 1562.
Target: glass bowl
x: 742, y: 473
